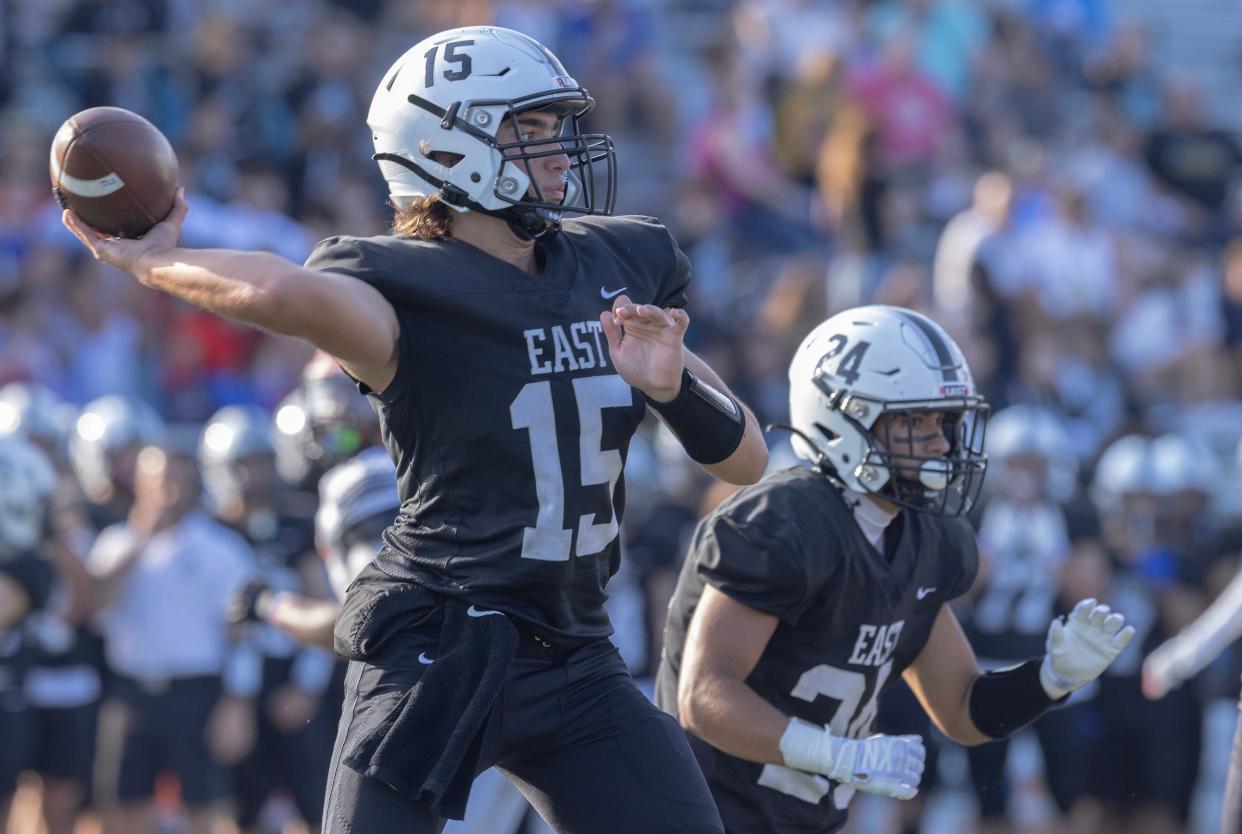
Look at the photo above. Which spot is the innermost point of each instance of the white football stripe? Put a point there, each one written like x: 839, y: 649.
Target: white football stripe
x: 102, y: 187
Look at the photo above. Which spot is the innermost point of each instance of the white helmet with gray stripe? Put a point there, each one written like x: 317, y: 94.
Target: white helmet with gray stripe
x: 436, y: 115
x: 877, y: 360
x: 357, y: 500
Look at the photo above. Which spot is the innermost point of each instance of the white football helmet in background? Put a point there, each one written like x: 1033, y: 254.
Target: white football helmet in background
x: 872, y: 361
x: 357, y: 501
x: 35, y: 412
x: 109, y: 429
x: 27, y: 481
x: 231, y: 435
x: 1163, y: 466
x: 1030, y: 430
x: 450, y: 94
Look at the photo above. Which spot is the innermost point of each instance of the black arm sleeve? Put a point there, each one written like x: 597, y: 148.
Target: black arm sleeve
x: 1006, y: 700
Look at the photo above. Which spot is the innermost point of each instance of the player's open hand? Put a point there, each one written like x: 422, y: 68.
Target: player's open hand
x: 1082, y: 647
x: 126, y: 253
x: 645, y: 344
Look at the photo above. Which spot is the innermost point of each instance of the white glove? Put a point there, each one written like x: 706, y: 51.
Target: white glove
x: 1082, y: 647
x: 885, y: 765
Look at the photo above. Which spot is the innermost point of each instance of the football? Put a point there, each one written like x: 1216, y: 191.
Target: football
x: 115, y: 169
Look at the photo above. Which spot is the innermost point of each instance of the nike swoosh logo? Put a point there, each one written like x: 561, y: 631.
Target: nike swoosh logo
x: 922, y: 592
x: 426, y: 661
x: 604, y: 294
x: 475, y: 612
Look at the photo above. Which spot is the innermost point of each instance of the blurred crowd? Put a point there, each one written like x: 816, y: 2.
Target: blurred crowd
x: 1023, y: 171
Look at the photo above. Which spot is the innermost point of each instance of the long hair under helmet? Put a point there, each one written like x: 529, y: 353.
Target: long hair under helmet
x: 449, y: 95
x: 870, y: 362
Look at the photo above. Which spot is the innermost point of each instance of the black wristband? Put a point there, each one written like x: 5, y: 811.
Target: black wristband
x: 708, y: 422
x: 1006, y: 700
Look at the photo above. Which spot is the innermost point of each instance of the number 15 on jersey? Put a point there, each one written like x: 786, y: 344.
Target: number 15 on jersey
x: 533, y: 410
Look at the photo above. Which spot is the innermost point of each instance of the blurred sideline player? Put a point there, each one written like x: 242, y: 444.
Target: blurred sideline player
x: 293, y: 739
x: 1144, y: 766
x: 64, y: 675
x: 1029, y: 536
x: 180, y: 688
x: 103, y: 449
x: 321, y: 423
x: 782, y: 634
x: 357, y: 501
x: 27, y: 481
x: 1184, y: 655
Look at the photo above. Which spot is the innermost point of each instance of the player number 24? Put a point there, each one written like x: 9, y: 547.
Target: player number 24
x: 847, y: 688
x: 532, y: 410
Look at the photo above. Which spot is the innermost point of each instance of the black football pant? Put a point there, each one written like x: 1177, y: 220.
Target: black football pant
x: 569, y: 728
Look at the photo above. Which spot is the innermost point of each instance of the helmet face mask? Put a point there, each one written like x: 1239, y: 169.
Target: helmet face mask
x: 862, y: 388
x: 452, y: 94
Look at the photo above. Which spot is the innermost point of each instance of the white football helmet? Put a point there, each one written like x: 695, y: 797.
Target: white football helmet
x: 451, y: 93
x: 357, y: 501
x: 1125, y: 468
x: 27, y: 481
x: 878, y: 360
x: 233, y: 433
x: 34, y: 411
x: 1038, y: 432
x: 107, y: 427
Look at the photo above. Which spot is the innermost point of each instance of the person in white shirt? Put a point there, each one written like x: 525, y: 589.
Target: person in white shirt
x: 164, y: 578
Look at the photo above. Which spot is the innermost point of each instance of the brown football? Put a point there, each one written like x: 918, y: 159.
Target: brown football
x: 115, y: 170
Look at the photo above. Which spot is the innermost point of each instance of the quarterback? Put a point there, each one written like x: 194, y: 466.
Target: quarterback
x: 510, y: 353
x: 806, y: 594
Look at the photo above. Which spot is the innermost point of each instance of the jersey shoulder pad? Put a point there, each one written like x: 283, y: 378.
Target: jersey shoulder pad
x: 768, y: 546
x: 643, y: 243
x: 402, y: 269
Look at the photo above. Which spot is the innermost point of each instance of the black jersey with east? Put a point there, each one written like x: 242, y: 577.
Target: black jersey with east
x: 508, y: 424
x: 850, y: 620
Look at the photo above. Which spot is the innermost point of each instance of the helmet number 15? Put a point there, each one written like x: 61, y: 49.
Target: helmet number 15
x: 452, y: 56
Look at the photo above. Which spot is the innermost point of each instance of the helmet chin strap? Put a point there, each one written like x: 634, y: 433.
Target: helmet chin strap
x: 529, y: 222
x: 526, y: 221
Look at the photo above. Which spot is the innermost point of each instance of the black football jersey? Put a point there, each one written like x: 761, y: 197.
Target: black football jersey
x: 35, y: 576
x: 851, y: 619
x: 507, y: 422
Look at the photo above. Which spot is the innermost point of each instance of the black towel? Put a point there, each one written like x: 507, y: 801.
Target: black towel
x: 427, y: 748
